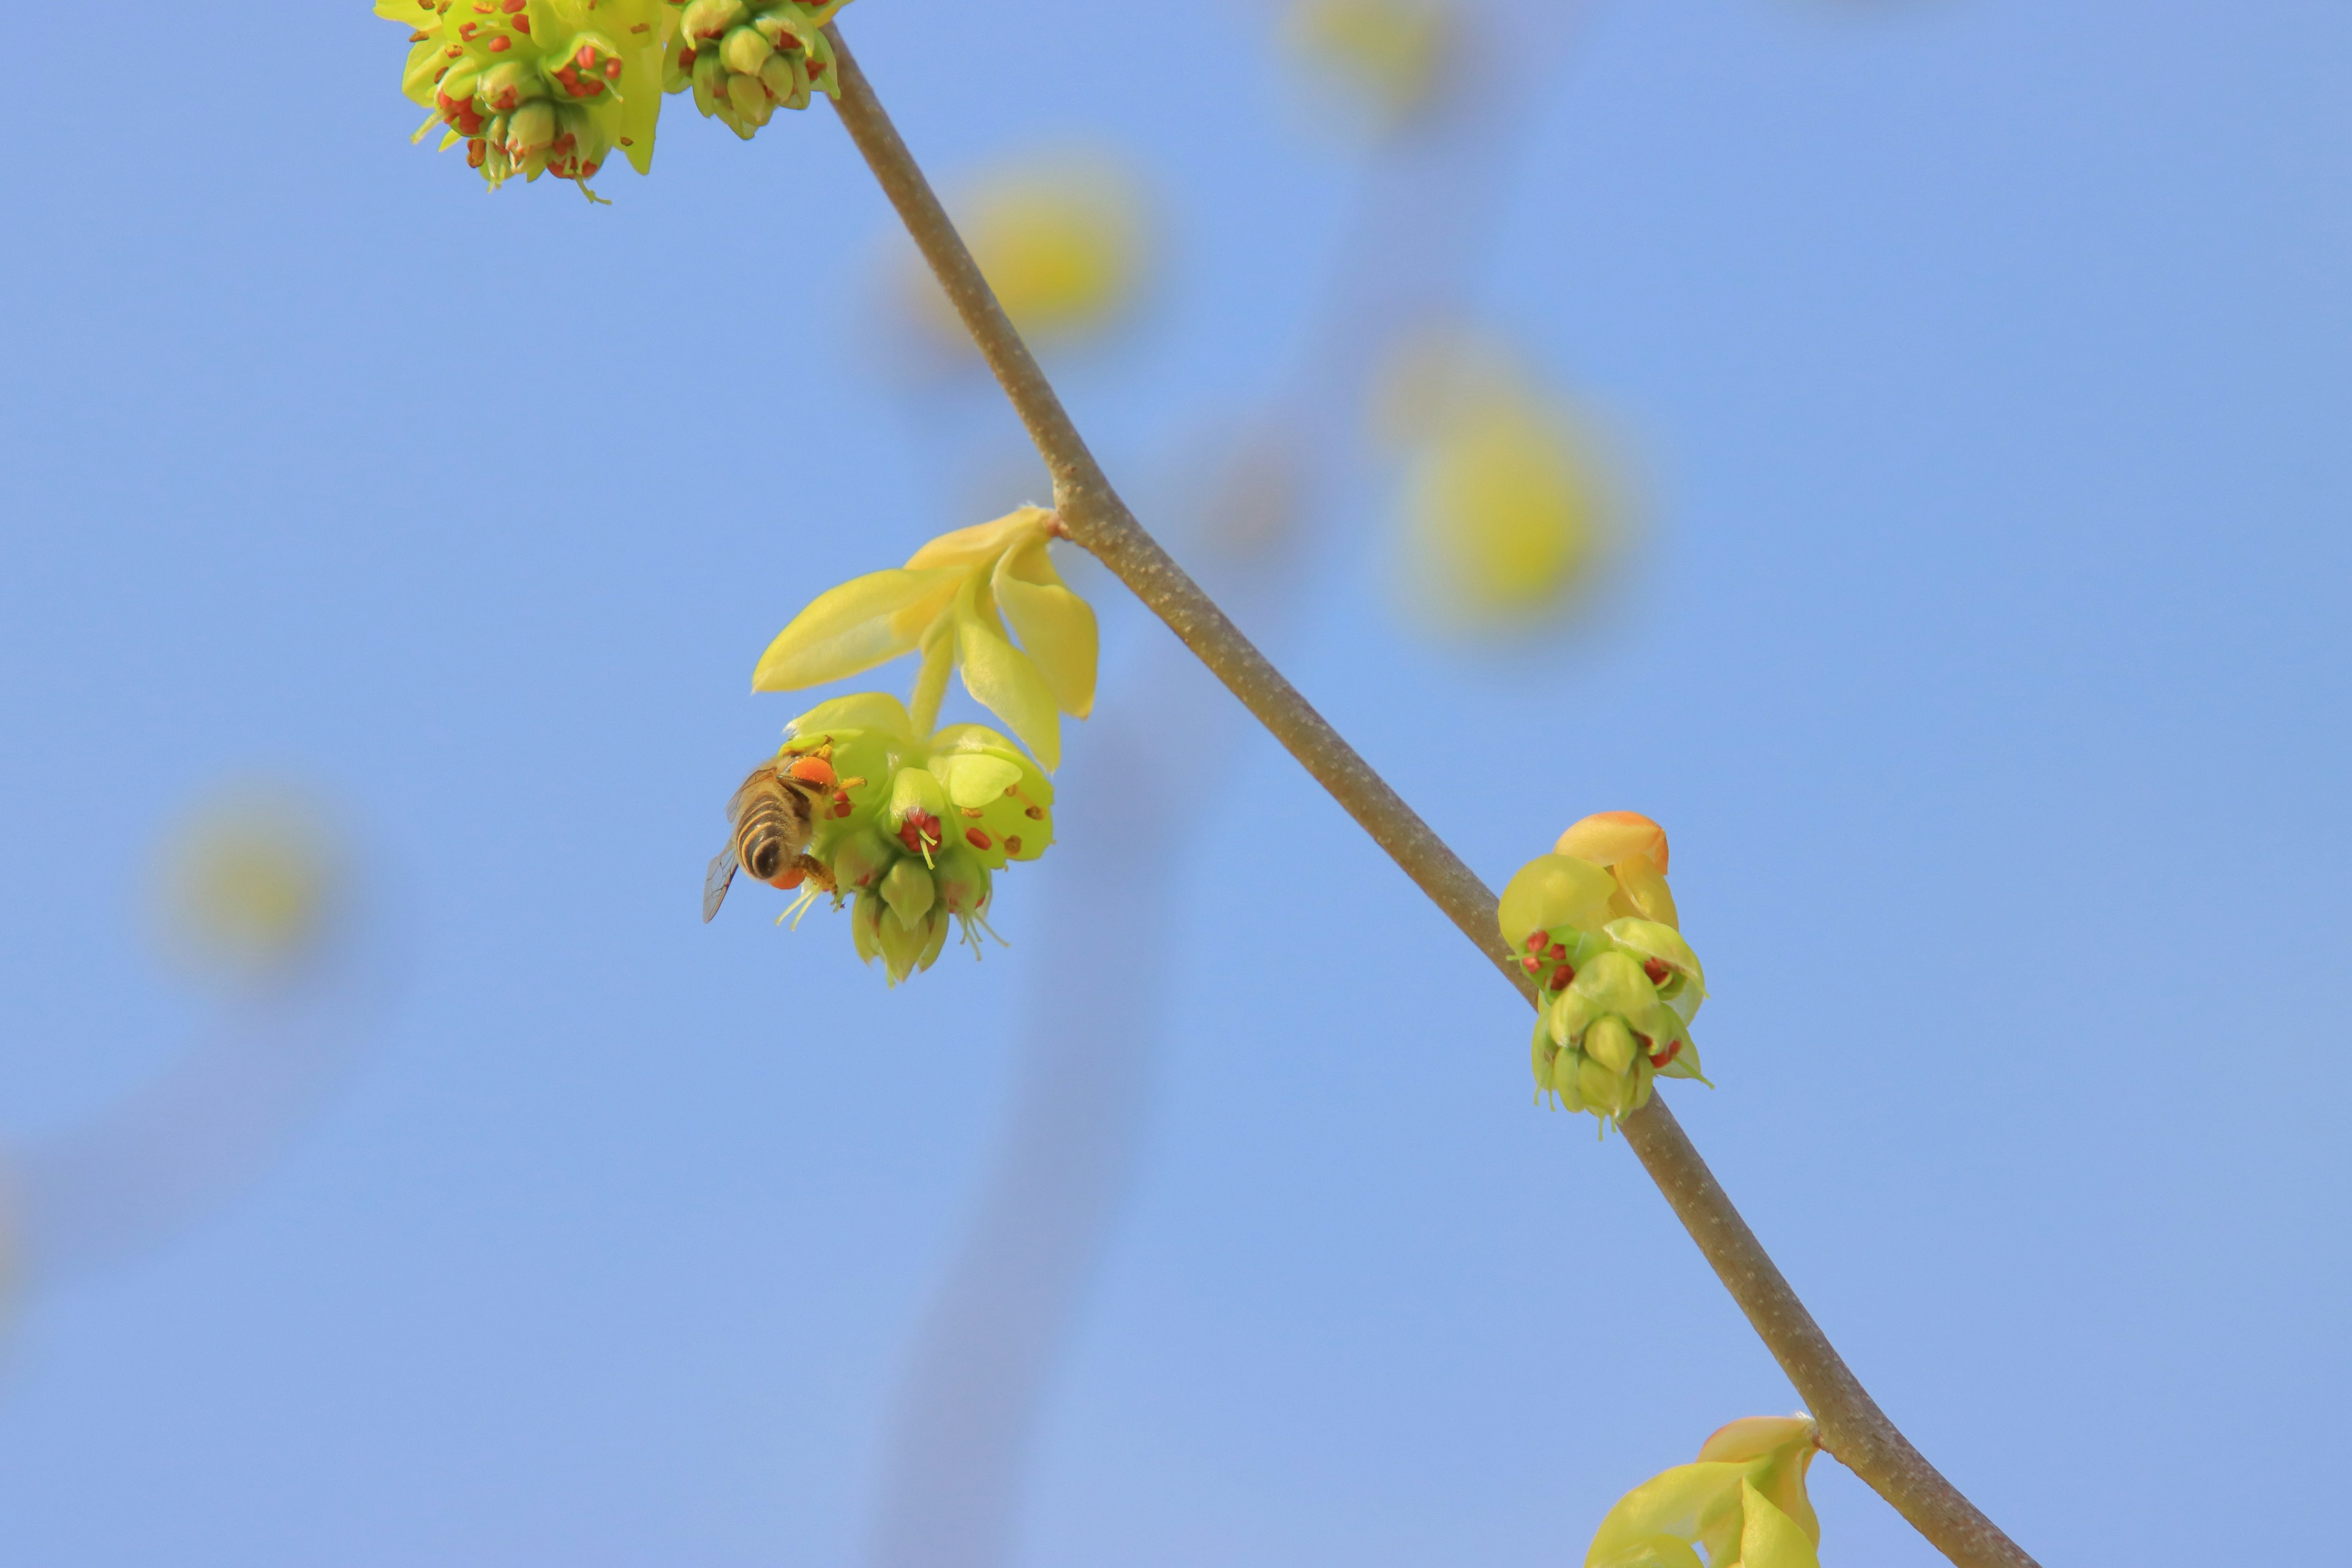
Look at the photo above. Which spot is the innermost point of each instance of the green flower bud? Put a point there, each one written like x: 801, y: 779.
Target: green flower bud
x: 745, y: 51
x: 866, y: 925
x: 1611, y: 1043
x: 857, y: 859
x: 902, y: 945
x: 706, y: 19
x: 908, y: 889
x: 785, y: 80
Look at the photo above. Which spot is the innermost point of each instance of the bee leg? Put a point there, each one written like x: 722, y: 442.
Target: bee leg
x: 813, y: 871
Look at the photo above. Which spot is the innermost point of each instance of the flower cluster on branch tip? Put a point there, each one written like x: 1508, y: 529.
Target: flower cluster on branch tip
x: 1744, y: 1501
x: 909, y: 822
x: 1595, y: 927
x: 538, y: 87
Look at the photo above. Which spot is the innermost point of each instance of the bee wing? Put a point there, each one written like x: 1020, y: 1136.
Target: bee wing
x: 716, y: 881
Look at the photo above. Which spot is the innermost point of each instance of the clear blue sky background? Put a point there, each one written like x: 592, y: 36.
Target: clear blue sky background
x: 1989, y: 364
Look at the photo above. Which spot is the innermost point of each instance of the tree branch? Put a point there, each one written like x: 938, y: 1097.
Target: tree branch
x: 1853, y: 1426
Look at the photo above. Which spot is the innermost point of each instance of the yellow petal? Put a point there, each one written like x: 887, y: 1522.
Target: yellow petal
x: 1770, y: 1539
x: 862, y: 711
x: 1056, y: 627
x: 1754, y: 1436
x: 980, y: 543
x: 1657, y: 1551
x: 856, y: 627
x: 1647, y: 897
x: 1553, y: 890
x: 932, y: 680
x: 1778, y: 1449
x: 975, y: 779
x: 1001, y: 679
x: 1683, y: 1503
x: 1607, y: 837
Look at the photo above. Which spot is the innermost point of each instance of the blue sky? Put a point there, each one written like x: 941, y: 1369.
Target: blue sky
x: 1984, y: 367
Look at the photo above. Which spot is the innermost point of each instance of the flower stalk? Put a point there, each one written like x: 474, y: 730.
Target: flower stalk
x: 1852, y: 1428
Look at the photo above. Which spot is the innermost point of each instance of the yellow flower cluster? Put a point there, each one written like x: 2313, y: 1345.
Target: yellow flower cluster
x: 552, y: 87
x: 1597, y: 931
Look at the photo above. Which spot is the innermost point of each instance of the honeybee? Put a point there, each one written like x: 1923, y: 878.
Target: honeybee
x: 774, y: 814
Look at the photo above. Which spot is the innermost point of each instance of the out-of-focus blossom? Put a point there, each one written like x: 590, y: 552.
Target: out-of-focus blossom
x: 952, y: 600
x: 1392, y: 55
x: 1062, y: 239
x: 1506, y: 511
x: 249, y: 883
x: 1744, y: 1501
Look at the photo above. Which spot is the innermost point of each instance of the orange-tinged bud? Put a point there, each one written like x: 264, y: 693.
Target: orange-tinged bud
x: 1607, y: 837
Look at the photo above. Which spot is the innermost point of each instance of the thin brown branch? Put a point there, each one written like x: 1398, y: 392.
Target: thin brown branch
x: 1853, y: 1426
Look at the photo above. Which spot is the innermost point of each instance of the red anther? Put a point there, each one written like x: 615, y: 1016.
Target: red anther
x: 1560, y: 978
x: 522, y: 24
x: 501, y: 44
x: 841, y: 797
x: 1655, y: 968
x: 1674, y: 1049
x: 512, y: 6
x: 1536, y: 941
x: 811, y: 770
x: 1012, y: 846
x: 476, y: 152
x: 1531, y: 963
x: 585, y: 57
x: 920, y: 832
x: 685, y: 59
x: 452, y: 51
x: 789, y: 879
x: 1557, y: 953
x: 419, y: 36
x: 612, y: 70
x: 468, y: 32
x: 843, y: 809
x: 978, y: 840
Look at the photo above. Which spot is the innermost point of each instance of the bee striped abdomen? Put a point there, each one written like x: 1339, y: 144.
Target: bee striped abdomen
x: 771, y: 829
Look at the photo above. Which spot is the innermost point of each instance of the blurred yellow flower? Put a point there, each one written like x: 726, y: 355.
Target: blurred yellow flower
x: 247, y: 883
x: 1506, y: 511
x: 1062, y: 240
x: 1392, y: 54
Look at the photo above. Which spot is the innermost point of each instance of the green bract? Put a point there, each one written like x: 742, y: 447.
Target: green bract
x: 1744, y: 1501
x: 1616, y: 989
x: 954, y: 600
x: 916, y: 827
